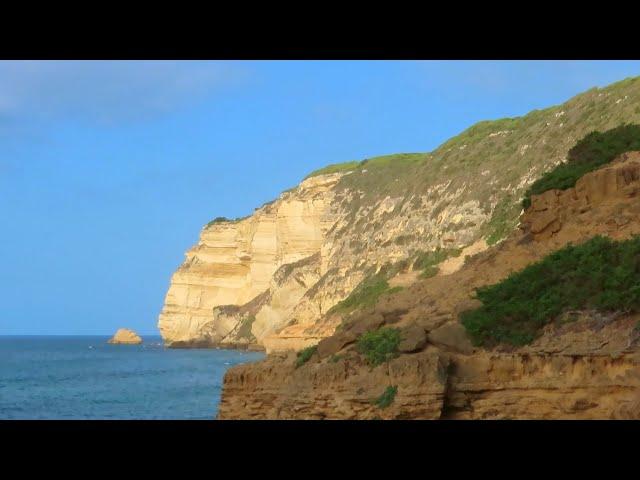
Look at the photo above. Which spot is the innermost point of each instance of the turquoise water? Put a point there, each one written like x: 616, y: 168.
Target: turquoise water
x: 85, y: 378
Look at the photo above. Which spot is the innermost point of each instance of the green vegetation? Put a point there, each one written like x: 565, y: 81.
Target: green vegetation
x: 245, y: 327
x: 503, y: 220
x: 589, y: 154
x: 491, y: 156
x: 428, y: 261
x: 387, y: 398
x: 599, y: 274
x: 225, y: 219
x: 334, y: 168
x: 335, y: 358
x: 218, y: 220
x: 365, y: 294
x: 380, y: 345
x: 304, y: 355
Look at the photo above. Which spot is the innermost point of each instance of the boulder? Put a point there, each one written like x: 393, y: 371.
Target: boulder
x: 335, y: 343
x: 366, y: 323
x: 125, y: 336
x: 451, y: 335
x: 413, y: 339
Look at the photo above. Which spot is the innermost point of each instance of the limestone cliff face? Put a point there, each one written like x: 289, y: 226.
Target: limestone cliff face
x: 234, y: 263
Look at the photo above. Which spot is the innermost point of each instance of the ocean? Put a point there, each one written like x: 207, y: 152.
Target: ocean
x: 82, y: 377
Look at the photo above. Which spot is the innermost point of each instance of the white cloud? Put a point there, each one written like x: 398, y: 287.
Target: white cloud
x: 107, y: 91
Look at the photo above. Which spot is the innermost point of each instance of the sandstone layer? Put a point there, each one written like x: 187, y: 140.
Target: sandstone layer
x: 125, y: 336
x: 583, y: 369
x: 234, y: 265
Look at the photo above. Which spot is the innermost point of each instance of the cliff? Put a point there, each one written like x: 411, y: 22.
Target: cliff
x: 235, y: 264
x: 273, y: 280
x: 587, y: 367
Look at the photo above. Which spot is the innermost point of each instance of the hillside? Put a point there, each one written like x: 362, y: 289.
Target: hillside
x: 284, y: 277
x: 561, y: 338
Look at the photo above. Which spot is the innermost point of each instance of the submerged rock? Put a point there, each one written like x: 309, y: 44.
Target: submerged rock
x: 126, y: 336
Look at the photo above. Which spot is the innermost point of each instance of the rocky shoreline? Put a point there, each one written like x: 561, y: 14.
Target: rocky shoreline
x: 215, y: 346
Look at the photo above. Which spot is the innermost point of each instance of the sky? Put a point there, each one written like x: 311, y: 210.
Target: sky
x: 109, y: 169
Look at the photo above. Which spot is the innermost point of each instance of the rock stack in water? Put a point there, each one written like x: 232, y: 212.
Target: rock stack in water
x: 126, y: 336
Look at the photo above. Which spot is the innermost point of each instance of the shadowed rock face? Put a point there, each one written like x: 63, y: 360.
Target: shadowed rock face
x: 588, y: 368
x: 125, y: 336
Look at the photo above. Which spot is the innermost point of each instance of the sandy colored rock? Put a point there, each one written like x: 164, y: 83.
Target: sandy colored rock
x: 451, y: 335
x: 125, y: 336
x: 586, y: 368
x: 236, y: 262
x: 413, y: 339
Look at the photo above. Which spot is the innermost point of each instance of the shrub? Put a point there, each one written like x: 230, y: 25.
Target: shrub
x: 365, y: 294
x: 590, y: 153
x: 387, y: 398
x: 218, y: 220
x: 335, y: 358
x: 380, y: 345
x: 599, y: 274
x: 225, y: 219
x: 304, y: 355
x: 428, y: 261
x: 503, y: 220
x: 244, y: 331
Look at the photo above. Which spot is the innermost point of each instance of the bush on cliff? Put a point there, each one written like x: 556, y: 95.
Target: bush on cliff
x: 365, y: 294
x: 387, y: 398
x: 428, y: 261
x: 380, y: 345
x: 305, y: 354
x: 589, y: 154
x: 599, y: 274
x: 218, y: 220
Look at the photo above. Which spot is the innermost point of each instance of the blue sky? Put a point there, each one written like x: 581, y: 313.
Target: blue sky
x: 108, y: 170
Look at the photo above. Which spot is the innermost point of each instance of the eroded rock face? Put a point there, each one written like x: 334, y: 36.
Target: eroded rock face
x: 552, y: 209
x: 235, y: 262
x: 585, y: 367
x: 270, y: 279
x: 125, y: 336
x: 576, y: 378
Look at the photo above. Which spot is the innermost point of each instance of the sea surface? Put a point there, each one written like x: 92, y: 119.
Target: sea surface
x: 81, y: 377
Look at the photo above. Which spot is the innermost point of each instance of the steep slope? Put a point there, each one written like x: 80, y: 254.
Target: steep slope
x: 249, y: 282
x: 586, y: 366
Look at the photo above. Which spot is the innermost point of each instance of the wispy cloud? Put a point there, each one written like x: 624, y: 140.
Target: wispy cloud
x: 107, y: 91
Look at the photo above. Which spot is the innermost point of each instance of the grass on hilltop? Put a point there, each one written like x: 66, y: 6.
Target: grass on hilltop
x: 334, y: 168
